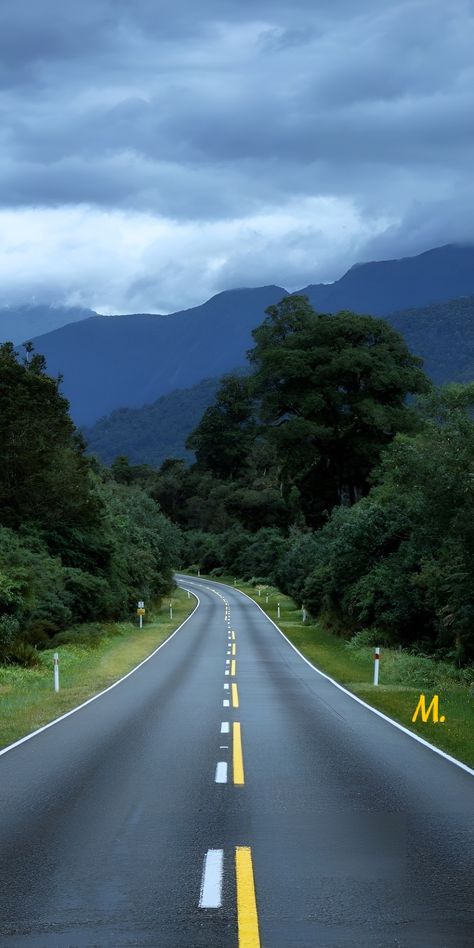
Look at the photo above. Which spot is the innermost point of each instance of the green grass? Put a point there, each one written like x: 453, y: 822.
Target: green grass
x: 27, y: 697
x: 403, y: 677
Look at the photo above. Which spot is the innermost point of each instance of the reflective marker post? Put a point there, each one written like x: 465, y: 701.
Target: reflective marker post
x: 376, y: 665
x: 171, y: 610
x: 56, y: 671
x: 140, y: 613
x: 278, y: 616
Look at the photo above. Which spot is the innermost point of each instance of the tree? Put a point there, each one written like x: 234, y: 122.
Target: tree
x: 332, y: 391
x: 401, y: 560
x: 45, y: 477
x: 226, y: 431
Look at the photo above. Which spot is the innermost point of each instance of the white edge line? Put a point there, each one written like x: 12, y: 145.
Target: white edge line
x: 84, y: 704
x: 380, y: 714
x: 211, y: 882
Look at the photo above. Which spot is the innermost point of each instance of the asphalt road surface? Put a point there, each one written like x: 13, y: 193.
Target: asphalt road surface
x: 226, y: 794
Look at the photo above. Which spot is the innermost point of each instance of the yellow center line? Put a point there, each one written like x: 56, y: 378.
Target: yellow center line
x: 247, y: 918
x: 233, y: 649
x: 235, y: 696
x: 238, y: 758
x: 232, y: 667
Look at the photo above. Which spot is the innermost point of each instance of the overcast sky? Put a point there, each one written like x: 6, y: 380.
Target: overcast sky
x: 154, y: 153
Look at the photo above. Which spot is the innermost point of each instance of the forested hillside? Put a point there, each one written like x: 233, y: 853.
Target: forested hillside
x: 337, y: 472
x: 155, y: 432
x: 443, y: 335
x: 75, y: 546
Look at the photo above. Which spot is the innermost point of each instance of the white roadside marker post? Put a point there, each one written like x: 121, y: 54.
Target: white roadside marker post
x: 376, y: 665
x: 303, y: 613
x: 171, y: 610
x: 199, y: 571
x: 266, y: 598
x: 56, y: 671
x: 278, y: 614
x: 189, y: 594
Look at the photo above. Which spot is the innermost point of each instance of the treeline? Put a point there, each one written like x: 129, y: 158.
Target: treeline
x: 75, y: 546
x: 336, y: 472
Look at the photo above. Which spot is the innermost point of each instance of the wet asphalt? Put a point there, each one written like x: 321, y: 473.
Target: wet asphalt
x: 359, y: 835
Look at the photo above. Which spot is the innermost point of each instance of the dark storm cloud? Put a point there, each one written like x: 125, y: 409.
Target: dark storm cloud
x: 235, y: 109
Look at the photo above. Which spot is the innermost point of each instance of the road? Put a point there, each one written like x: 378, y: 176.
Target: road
x: 226, y: 794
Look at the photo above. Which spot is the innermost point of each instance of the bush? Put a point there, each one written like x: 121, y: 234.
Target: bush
x: 9, y: 629
x: 261, y: 554
x: 88, y: 635
x: 367, y: 638
x: 22, y: 653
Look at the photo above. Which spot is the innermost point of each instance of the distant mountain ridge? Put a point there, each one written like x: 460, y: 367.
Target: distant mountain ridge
x: 442, y: 334
x: 381, y: 287
x: 109, y: 362
x: 20, y: 323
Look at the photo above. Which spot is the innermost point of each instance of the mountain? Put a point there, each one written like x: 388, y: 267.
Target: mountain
x: 20, y: 323
x: 443, y: 335
x: 150, y: 434
x: 112, y: 361
x: 379, y: 288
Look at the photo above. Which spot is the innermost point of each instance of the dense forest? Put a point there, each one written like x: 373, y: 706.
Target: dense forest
x: 332, y: 469
x: 76, y: 547
x: 336, y: 471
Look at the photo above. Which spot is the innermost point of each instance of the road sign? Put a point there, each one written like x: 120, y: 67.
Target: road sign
x: 140, y: 612
x: 141, y: 604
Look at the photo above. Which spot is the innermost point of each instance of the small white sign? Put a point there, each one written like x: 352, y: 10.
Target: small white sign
x: 141, y: 604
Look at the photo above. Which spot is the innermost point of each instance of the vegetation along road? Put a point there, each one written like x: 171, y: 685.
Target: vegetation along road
x: 227, y: 794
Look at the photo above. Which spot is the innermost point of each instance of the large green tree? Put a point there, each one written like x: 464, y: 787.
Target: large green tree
x: 45, y: 477
x: 332, y: 392
x: 401, y: 560
x: 225, y: 434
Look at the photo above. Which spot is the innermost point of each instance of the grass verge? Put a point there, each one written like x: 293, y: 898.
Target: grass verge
x: 403, y: 677
x: 27, y: 698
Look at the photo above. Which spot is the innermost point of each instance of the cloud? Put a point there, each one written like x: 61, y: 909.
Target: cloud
x: 116, y: 261
x: 350, y: 123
